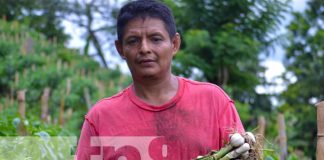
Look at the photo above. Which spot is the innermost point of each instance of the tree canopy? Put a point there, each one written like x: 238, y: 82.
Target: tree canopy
x: 223, y: 40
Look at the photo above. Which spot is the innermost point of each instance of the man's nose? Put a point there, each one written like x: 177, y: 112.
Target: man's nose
x: 145, y: 47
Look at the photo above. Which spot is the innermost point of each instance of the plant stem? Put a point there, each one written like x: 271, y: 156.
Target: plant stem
x: 219, y: 154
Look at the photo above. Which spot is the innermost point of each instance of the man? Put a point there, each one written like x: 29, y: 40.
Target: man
x: 160, y: 115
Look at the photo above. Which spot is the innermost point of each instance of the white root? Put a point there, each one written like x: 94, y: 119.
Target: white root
x: 236, y: 140
x: 250, y: 136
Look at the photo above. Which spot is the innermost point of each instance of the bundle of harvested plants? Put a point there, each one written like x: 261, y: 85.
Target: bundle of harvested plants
x: 240, y: 147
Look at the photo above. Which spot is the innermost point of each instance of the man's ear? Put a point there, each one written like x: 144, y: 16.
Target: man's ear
x: 119, y: 48
x: 176, y: 42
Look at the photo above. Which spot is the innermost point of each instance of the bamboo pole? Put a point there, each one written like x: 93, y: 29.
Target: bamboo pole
x: 44, y: 105
x: 320, y: 131
x: 282, y: 137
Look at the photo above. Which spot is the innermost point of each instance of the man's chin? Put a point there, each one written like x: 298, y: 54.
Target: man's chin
x: 149, y: 73
x: 149, y: 76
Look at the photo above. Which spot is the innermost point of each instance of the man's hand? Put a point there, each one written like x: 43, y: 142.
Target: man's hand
x: 241, y: 144
x: 239, y: 147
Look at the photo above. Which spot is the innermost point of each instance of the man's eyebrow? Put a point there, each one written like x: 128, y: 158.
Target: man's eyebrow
x: 131, y: 35
x: 156, y: 33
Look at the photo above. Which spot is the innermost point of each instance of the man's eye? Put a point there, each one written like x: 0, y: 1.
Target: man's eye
x: 132, y: 41
x: 156, y: 39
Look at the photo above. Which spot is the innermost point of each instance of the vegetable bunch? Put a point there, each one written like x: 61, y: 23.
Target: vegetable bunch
x: 241, y: 146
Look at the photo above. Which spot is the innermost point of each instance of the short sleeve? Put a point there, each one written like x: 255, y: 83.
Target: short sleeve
x: 84, y: 149
x: 229, y: 122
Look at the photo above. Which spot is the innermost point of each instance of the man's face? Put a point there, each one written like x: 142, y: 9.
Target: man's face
x: 147, y: 48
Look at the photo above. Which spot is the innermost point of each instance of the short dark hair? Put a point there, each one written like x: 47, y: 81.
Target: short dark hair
x: 144, y: 9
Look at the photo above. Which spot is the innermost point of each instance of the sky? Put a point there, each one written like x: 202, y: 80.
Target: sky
x: 272, y: 63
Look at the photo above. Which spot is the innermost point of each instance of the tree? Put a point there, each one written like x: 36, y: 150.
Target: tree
x: 96, y: 18
x: 223, y: 40
x: 41, y: 15
x: 304, y: 61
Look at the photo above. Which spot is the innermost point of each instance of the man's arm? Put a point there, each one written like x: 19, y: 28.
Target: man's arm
x: 229, y: 123
x: 84, y: 149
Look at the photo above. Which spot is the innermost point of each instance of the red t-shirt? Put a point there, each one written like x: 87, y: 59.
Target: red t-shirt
x: 195, y: 121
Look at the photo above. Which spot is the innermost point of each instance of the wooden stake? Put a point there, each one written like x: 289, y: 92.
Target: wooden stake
x: 87, y: 97
x: 282, y: 137
x: 62, y: 103
x: 44, y: 105
x: 22, y: 111
x: 261, y: 130
x: 21, y: 101
x: 320, y: 131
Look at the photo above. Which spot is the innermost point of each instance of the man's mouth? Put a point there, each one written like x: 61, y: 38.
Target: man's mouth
x: 146, y: 61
